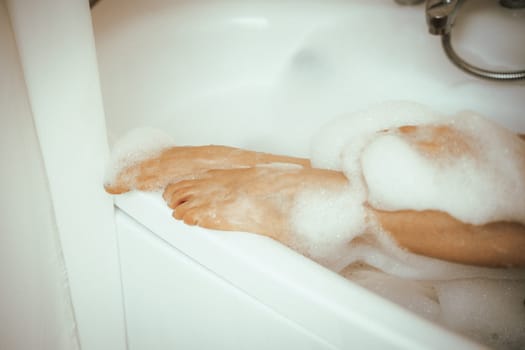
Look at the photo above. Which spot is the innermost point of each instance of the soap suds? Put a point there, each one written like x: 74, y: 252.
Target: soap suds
x: 338, y: 146
x: 353, y: 130
x: 475, y: 173
x: 325, y: 222
x: 484, y: 184
x: 137, y: 145
x: 386, y: 171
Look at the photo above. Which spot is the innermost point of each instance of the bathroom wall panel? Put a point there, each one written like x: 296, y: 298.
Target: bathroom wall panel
x: 35, y: 308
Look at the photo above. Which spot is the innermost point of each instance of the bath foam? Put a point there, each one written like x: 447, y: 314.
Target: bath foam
x: 135, y: 146
x: 384, y: 169
x: 351, y: 132
x: 490, y: 311
x: 481, y: 185
x: 392, y: 169
x: 324, y: 222
x: 338, y: 146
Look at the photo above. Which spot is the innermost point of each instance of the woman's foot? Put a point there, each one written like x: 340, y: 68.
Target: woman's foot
x: 178, y: 163
x: 251, y: 198
x: 257, y: 200
x: 260, y: 200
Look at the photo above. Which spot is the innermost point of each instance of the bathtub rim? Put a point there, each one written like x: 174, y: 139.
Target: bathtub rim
x: 241, y: 260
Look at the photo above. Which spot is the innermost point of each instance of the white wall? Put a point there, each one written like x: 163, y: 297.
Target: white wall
x: 55, y: 44
x: 35, y: 308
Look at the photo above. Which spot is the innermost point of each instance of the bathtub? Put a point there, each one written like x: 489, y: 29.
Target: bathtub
x: 265, y: 76
x: 191, y: 288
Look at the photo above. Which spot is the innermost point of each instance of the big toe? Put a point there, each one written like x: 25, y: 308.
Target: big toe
x: 116, y: 188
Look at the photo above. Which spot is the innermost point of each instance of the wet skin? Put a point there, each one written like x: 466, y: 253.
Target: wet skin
x: 226, y: 188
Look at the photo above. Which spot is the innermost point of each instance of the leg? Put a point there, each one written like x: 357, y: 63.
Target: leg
x: 178, y: 163
x: 439, y: 235
x: 259, y: 200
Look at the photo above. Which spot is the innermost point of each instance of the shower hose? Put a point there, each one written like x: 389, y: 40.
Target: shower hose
x: 479, y: 72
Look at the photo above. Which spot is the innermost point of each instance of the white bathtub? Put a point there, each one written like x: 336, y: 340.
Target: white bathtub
x: 265, y: 76
x: 190, y: 288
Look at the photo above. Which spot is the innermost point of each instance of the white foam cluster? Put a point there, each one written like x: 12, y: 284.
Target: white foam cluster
x: 348, y: 134
x: 326, y: 221
x: 485, y: 184
x: 135, y: 146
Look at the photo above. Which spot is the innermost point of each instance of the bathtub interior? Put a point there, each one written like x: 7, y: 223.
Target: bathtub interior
x: 266, y: 76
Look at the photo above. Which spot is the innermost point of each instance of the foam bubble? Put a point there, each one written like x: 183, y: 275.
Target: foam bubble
x: 352, y: 131
x: 485, y: 184
x: 325, y: 222
x: 135, y: 146
x: 338, y: 146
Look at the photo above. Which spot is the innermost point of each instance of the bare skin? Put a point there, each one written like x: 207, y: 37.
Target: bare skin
x: 227, y: 189
x: 255, y: 199
x: 259, y: 200
x: 178, y: 163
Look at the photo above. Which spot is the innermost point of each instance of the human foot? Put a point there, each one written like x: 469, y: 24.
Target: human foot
x: 257, y: 200
x: 178, y: 163
x: 260, y: 200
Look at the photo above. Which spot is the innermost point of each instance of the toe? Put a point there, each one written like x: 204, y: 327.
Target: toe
x: 213, y: 221
x: 180, y: 211
x: 203, y: 214
x: 192, y: 216
x: 172, y: 188
x: 168, y: 192
x: 182, y: 196
x: 115, y: 188
x: 175, y: 194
